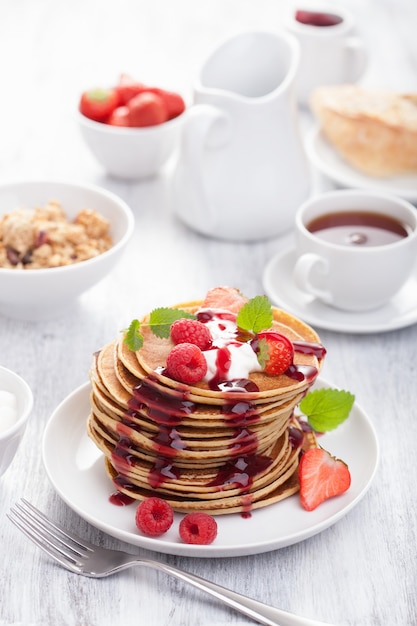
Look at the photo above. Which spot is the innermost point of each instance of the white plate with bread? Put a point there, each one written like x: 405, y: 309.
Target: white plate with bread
x: 365, y: 138
x: 329, y: 162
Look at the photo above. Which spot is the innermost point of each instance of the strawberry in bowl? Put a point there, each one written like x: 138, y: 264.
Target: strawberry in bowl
x: 130, y: 128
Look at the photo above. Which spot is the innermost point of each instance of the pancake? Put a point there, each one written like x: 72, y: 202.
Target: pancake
x: 152, y: 356
x: 220, y: 448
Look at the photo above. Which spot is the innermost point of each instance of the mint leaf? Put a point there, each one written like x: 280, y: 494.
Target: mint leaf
x: 255, y: 315
x: 325, y: 408
x: 161, y: 319
x: 133, y: 338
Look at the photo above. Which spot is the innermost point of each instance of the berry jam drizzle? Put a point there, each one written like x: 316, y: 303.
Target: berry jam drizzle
x: 241, y: 471
x: 223, y: 363
x: 296, y: 437
x: 306, y: 347
x: 208, y: 316
x: 244, y: 441
x: 167, y: 409
x: 241, y: 413
x: 120, y: 499
x: 122, y: 456
x: 240, y: 384
x: 301, y: 372
x: 305, y: 372
x: 164, y: 408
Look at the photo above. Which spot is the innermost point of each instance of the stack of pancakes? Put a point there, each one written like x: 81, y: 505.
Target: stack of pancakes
x: 218, y: 450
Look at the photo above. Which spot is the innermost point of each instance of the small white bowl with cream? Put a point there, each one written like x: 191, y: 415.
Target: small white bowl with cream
x: 16, y: 402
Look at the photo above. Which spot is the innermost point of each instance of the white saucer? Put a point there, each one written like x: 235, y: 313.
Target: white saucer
x: 401, y: 311
x: 329, y: 162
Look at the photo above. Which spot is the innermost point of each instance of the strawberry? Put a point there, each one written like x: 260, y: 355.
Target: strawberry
x: 275, y: 352
x: 191, y: 331
x: 198, y: 528
x: 147, y: 109
x: 186, y: 363
x: 321, y: 476
x: 119, y: 117
x: 227, y: 298
x: 98, y: 104
x: 174, y: 103
x: 127, y: 88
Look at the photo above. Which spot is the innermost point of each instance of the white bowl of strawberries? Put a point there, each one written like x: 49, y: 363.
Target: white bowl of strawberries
x: 131, y: 129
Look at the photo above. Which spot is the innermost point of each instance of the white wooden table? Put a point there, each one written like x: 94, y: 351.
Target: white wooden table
x: 361, y: 571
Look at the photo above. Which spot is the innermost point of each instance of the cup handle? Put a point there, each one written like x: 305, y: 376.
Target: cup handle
x: 301, y: 274
x: 358, y: 58
x: 207, y: 127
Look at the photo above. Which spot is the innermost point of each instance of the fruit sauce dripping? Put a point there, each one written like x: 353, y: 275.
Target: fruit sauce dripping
x: 167, y: 409
x: 120, y: 499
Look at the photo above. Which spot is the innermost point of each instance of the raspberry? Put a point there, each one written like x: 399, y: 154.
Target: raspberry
x: 154, y: 516
x: 275, y: 352
x: 186, y: 363
x: 191, y: 331
x: 198, y: 528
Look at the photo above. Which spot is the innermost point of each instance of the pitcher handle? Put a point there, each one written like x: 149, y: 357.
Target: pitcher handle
x: 358, y: 57
x: 206, y: 127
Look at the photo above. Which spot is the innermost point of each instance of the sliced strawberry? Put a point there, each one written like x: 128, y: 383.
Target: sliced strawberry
x: 275, y: 352
x: 146, y: 109
x: 321, y: 477
x: 227, y: 298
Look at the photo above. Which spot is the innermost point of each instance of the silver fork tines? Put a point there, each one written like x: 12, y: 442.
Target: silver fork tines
x: 82, y: 557
x: 66, y: 548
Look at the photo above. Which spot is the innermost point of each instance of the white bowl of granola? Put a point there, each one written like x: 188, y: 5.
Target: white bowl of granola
x: 57, y: 239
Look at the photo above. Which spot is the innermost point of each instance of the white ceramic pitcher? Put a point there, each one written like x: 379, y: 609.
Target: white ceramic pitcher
x: 242, y: 172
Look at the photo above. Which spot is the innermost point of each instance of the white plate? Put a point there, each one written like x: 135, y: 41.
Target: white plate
x: 400, y: 312
x: 325, y: 157
x: 75, y: 467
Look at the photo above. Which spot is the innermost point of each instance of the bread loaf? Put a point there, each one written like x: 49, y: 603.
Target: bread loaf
x: 375, y: 131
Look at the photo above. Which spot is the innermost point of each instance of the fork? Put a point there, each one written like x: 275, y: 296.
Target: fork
x: 81, y: 557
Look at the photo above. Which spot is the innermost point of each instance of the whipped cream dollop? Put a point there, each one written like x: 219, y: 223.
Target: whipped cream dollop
x: 8, y: 410
x: 228, y: 358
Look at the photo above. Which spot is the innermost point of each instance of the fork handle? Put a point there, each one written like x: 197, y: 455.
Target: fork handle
x: 259, y: 612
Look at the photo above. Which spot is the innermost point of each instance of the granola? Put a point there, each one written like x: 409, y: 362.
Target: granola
x: 44, y: 237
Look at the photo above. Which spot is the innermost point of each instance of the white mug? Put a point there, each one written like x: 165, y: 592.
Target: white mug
x: 350, y: 274
x: 242, y: 171
x: 330, y: 55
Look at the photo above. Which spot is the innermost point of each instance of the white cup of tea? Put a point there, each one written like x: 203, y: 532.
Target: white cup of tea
x: 331, y: 51
x: 354, y: 249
